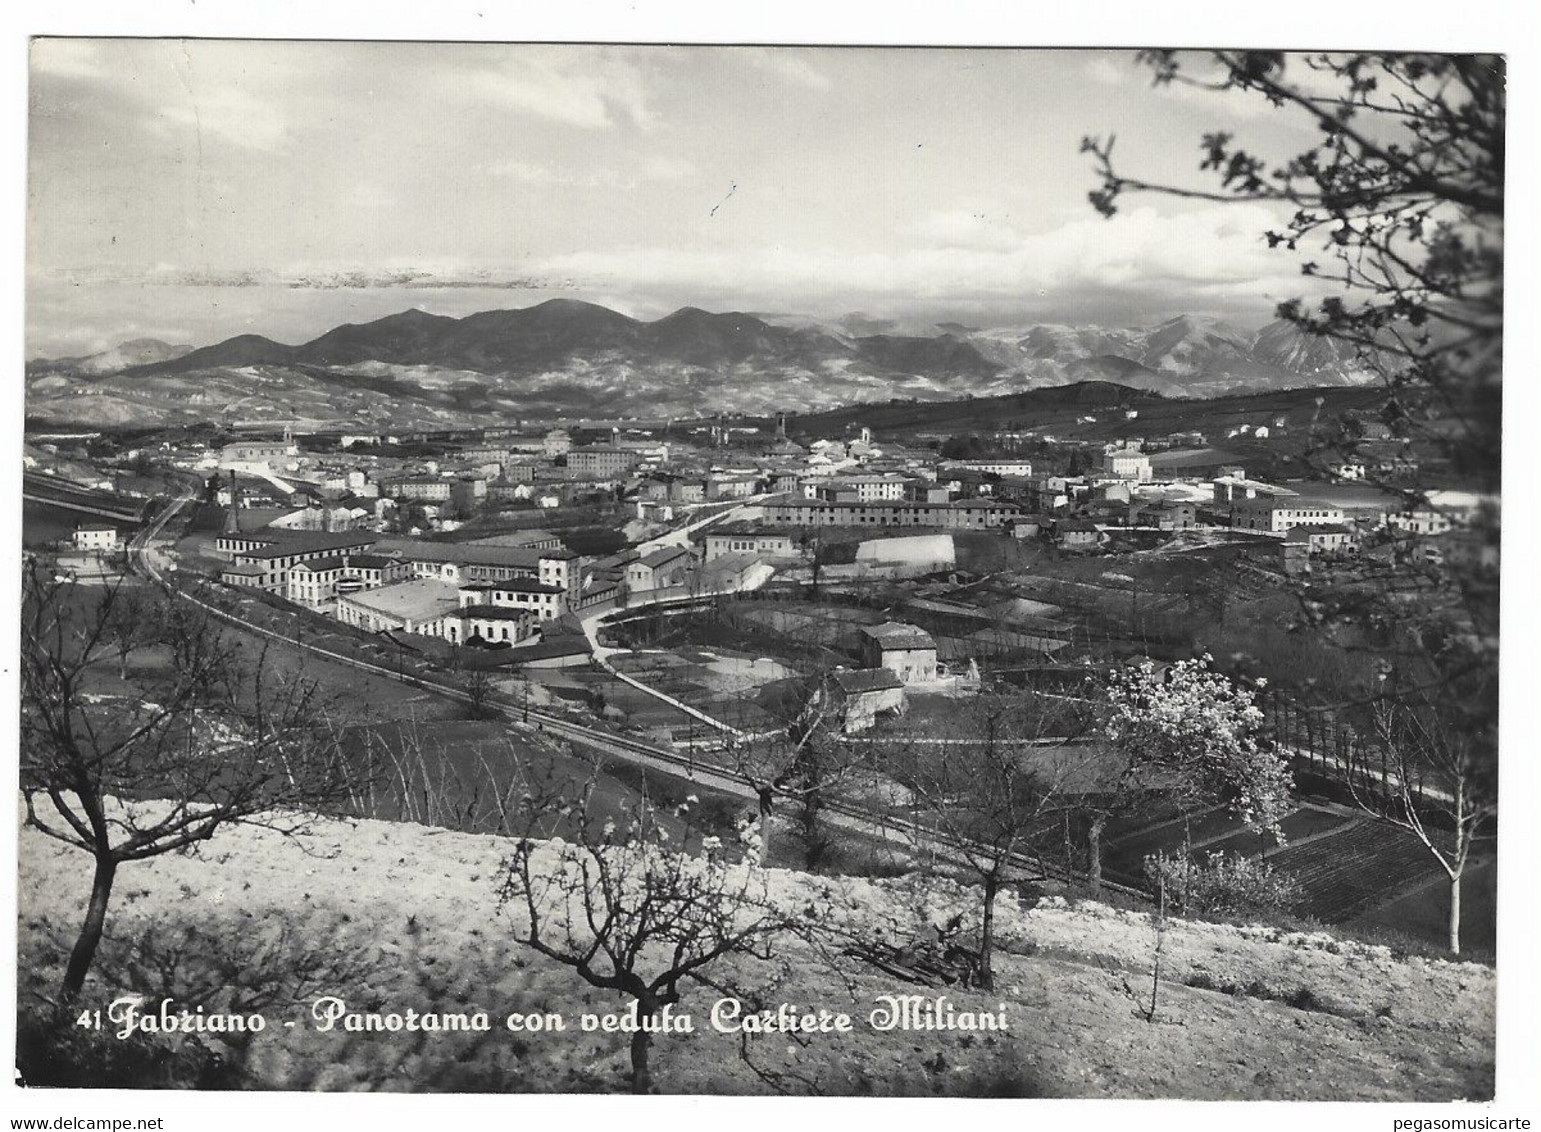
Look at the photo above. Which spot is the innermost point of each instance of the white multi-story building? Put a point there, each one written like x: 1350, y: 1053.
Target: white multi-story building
x: 543, y: 602
x: 750, y: 540
x: 864, y: 489
x: 1000, y: 467
x: 1420, y: 521
x: 257, y: 456
x: 98, y: 538
x: 601, y: 460
x: 1126, y: 464
x: 489, y: 624
x: 1277, y: 516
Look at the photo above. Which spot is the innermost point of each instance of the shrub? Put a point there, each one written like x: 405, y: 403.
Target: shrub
x: 1222, y: 884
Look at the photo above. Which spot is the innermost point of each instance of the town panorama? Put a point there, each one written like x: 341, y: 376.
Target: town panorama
x: 586, y: 657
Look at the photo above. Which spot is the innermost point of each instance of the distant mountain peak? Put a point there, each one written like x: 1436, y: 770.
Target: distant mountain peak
x: 566, y: 355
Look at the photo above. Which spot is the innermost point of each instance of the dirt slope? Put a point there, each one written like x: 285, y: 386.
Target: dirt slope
x: 413, y: 911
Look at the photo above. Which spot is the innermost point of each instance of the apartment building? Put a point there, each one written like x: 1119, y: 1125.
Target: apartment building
x: 599, y: 461
x: 541, y: 601
x: 966, y: 515
x: 739, y: 538
x: 1276, y: 516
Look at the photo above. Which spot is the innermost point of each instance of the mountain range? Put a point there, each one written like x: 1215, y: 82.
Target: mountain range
x: 565, y: 357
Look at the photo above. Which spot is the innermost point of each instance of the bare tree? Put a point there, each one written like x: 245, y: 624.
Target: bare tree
x: 216, y: 740
x: 988, y: 793
x: 625, y: 905
x: 132, y: 621
x: 800, y: 761
x: 1437, y: 779
x: 479, y: 694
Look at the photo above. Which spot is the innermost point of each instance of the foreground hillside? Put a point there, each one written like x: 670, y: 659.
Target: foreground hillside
x: 390, y: 916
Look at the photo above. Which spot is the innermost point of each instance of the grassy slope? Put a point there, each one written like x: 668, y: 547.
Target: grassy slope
x: 1061, y: 409
x: 419, y: 904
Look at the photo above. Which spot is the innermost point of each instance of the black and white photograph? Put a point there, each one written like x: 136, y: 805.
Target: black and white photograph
x: 729, y: 569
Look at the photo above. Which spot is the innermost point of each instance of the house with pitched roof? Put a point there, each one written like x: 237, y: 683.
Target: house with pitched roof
x: 907, y: 651
x: 861, y: 695
x: 670, y: 566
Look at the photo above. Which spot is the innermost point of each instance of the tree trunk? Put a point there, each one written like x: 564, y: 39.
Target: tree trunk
x: 813, y: 837
x: 90, y: 936
x: 1455, y: 914
x: 1094, y: 853
x: 812, y: 803
x: 987, y: 934
x: 766, y: 797
x: 641, y: 1047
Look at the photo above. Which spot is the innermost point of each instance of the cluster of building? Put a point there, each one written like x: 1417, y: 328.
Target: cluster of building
x: 496, y: 591
x: 346, y: 552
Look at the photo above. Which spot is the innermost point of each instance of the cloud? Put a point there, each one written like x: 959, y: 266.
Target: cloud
x: 1121, y: 69
x: 662, y: 167
x: 226, y: 114
x: 1102, y: 69
x: 590, y: 88
x: 786, y: 63
x: 961, y: 228
x: 1202, y: 260
x: 187, y: 92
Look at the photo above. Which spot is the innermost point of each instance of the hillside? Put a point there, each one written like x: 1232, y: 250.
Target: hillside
x: 125, y: 355
x: 565, y: 357
x: 1097, y: 411
x: 409, y: 918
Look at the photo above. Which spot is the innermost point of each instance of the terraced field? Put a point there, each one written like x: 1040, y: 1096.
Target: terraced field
x: 1303, y: 823
x: 1347, y: 873
x: 1126, y: 855
x: 1348, y: 865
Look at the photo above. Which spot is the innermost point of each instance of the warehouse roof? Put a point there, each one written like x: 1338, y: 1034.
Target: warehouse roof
x: 1193, y: 458
x: 664, y: 556
x: 308, y: 542
x: 465, y: 553
x: 420, y: 599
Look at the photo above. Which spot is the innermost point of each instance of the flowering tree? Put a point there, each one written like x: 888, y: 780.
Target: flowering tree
x: 1188, y: 733
x: 630, y: 910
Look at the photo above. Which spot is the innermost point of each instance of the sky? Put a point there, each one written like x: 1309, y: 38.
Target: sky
x: 190, y: 190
